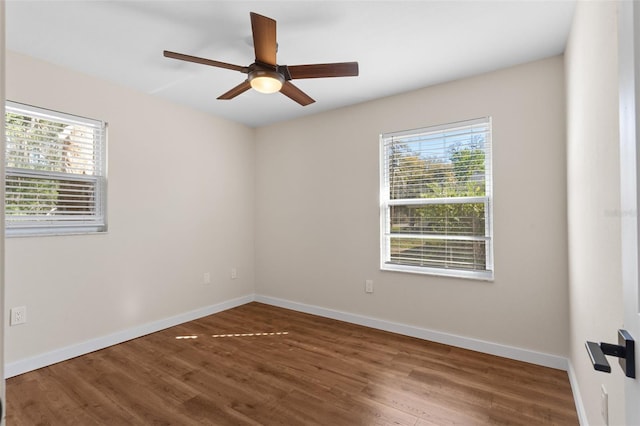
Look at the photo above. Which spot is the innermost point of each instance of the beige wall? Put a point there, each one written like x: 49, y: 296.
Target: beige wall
x: 307, y: 192
x: 594, y: 200
x: 317, y: 217
x: 180, y: 203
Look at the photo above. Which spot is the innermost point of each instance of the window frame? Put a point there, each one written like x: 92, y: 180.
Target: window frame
x: 96, y: 221
x: 386, y: 203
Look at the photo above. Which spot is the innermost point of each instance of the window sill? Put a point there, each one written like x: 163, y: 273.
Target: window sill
x: 52, y: 232
x: 453, y: 273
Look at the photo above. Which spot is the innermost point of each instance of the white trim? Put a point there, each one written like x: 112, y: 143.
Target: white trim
x: 519, y: 354
x: 38, y: 361
x: 427, y: 138
x: 441, y: 272
x: 577, y: 398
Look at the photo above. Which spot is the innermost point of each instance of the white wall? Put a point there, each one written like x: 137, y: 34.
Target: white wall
x: 317, y: 223
x: 595, y: 285
x: 180, y: 203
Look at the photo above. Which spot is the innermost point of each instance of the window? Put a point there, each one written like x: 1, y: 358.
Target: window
x: 55, y: 172
x: 436, y: 200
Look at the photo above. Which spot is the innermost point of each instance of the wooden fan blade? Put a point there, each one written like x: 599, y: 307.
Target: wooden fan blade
x: 239, y: 89
x: 204, y: 61
x: 291, y: 91
x: 339, y: 69
x: 264, y: 38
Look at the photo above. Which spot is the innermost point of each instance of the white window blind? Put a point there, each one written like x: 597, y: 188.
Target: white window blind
x: 54, y: 173
x: 436, y: 200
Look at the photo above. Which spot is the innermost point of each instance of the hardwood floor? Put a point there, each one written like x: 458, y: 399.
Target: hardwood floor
x: 262, y: 365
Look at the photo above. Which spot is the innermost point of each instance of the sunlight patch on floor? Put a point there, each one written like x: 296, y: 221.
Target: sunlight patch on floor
x: 274, y: 333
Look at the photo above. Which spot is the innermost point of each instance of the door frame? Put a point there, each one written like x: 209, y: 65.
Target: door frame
x: 629, y: 115
x: 2, y: 151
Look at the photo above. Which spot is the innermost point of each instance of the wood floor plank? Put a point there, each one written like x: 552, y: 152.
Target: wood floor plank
x: 262, y: 365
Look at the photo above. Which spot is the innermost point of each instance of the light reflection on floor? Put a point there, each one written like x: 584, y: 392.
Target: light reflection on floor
x: 195, y: 336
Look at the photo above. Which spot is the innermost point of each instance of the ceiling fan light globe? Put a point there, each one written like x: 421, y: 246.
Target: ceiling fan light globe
x: 266, y: 81
x: 266, y: 84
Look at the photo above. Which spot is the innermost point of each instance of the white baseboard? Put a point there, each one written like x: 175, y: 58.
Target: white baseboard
x: 38, y: 361
x: 538, y: 358
x: 62, y: 354
x: 577, y: 398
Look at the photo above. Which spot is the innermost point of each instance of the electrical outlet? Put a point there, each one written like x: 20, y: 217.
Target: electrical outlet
x: 206, y: 278
x: 368, y: 286
x: 234, y: 273
x: 18, y: 315
x: 604, y: 404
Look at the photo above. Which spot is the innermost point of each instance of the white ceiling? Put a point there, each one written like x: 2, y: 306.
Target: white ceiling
x: 400, y: 45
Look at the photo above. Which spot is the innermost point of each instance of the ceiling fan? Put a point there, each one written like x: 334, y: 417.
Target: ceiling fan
x: 265, y: 75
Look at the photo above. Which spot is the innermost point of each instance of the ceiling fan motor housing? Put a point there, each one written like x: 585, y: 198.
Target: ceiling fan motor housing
x: 265, y: 75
